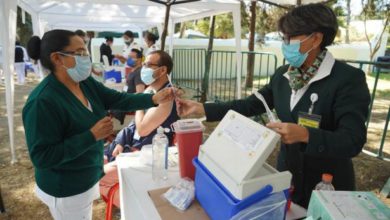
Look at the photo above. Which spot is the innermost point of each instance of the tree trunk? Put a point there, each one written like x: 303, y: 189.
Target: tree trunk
x: 251, y: 47
x: 182, y: 29
x: 348, y: 20
x: 205, y: 83
x: 165, y: 30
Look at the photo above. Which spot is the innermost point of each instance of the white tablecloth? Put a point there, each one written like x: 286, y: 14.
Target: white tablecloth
x: 135, y: 181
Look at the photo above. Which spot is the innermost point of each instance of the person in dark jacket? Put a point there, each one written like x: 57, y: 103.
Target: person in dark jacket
x: 322, y: 104
x: 105, y: 49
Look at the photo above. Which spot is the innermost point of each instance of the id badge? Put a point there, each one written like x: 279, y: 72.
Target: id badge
x: 309, y: 120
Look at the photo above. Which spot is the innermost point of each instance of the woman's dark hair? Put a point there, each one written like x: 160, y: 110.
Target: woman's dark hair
x: 310, y: 18
x: 151, y: 37
x: 80, y: 33
x: 138, y: 52
x: 52, y: 41
x: 164, y: 59
x: 109, y: 38
x: 129, y: 34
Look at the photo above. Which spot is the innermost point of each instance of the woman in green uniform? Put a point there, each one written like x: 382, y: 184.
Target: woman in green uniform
x: 322, y: 104
x: 65, y: 123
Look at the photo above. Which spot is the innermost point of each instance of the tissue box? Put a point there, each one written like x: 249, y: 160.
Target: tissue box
x: 332, y: 205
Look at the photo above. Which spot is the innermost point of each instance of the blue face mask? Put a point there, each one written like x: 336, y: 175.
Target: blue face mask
x: 130, y: 62
x: 291, y: 52
x: 147, y: 75
x: 82, y: 69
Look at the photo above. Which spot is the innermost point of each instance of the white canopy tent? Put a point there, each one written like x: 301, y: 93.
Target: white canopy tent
x: 109, y: 15
x: 101, y: 15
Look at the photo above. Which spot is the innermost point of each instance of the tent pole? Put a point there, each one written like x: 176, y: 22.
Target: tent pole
x: 8, y: 13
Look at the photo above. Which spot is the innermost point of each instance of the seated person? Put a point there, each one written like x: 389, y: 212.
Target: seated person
x: 105, y: 49
x: 134, y: 83
x: 133, y: 80
x: 141, y: 132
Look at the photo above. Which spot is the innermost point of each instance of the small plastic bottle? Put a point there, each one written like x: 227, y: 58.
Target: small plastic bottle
x: 326, y: 183
x: 160, y: 156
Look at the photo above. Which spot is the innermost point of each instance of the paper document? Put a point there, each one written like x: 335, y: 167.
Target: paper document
x: 245, y: 136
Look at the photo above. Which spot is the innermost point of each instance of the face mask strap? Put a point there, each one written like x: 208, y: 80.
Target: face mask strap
x: 64, y: 54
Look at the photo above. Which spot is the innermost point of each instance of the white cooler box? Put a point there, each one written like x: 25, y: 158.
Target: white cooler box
x: 235, y: 154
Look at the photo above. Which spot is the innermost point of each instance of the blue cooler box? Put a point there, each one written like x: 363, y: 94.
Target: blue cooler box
x: 216, y: 200
x: 117, y: 75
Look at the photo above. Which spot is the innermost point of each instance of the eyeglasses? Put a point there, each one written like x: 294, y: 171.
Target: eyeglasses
x: 148, y: 65
x: 74, y: 53
x: 287, y: 39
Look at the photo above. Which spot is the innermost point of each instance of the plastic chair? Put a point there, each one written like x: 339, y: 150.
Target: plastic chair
x: 109, y: 200
x: 105, y: 61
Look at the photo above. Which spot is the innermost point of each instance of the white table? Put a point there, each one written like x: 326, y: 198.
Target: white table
x: 135, y: 180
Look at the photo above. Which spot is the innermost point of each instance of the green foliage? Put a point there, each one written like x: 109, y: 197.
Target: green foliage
x: 24, y: 31
x: 223, y: 26
x: 375, y: 9
x: 245, y: 18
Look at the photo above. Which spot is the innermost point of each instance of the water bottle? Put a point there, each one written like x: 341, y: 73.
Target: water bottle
x: 160, y: 156
x: 326, y: 183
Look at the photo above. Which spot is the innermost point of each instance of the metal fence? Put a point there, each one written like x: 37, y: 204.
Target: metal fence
x: 218, y: 78
x: 189, y: 68
x: 217, y: 81
x: 376, y: 112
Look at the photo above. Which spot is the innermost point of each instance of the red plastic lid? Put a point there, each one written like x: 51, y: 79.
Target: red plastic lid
x: 187, y: 126
x: 327, y: 177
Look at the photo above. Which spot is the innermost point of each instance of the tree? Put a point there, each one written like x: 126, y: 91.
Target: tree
x: 224, y: 27
x: 378, y: 9
x: 24, y: 31
x: 267, y: 20
x: 251, y: 46
x: 348, y: 21
x: 245, y: 19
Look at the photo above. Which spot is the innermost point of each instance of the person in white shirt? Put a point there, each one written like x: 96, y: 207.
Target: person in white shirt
x: 21, y: 58
x: 150, y: 41
x: 128, y: 38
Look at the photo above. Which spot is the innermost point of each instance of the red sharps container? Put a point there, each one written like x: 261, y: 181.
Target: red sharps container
x: 189, y: 138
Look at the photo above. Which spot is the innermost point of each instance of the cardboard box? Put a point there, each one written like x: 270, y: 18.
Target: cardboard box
x: 343, y: 205
x: 168, y: 212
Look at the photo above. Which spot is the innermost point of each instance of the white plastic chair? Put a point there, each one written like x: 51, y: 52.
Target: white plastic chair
x: 105, y: 61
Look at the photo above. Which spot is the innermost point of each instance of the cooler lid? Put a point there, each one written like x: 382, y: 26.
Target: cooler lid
x: 237, y: 148
x: 187, y: 126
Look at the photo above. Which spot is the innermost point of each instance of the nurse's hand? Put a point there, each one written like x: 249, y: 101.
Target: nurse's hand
x: 291, y: 133
x: 102, y: 128
x: 188, y: 107
x: 163, y: 96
